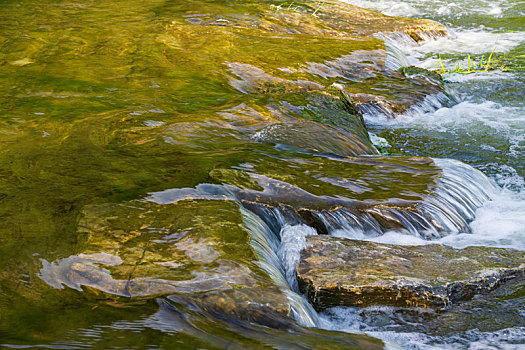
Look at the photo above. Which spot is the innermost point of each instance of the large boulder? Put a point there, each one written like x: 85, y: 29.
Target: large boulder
x: 342, y: 272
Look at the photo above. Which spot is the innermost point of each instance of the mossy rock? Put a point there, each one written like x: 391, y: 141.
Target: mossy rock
x: 336, y: 271
x: 418, y: 72
x: 316, y: 138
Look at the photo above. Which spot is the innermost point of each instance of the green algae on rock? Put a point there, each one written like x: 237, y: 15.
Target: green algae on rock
x: 192, y: 247
x: 165, y: 247
x: 336, y: 271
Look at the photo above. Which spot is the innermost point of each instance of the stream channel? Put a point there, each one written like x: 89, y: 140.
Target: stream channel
x: 481, y: 123
x: 162, y: 163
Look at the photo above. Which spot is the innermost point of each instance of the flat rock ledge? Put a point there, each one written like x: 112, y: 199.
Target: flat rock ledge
x: 336, y: 271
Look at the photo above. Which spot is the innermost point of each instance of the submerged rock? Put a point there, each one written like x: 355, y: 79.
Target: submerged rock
x: 265, y: 306
x: 314, y: 137
x: 196, y: 250
x: 341, y: 272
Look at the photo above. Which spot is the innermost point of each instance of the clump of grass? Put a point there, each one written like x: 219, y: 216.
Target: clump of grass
x: 294, y: 7
x: 319, y: 4
x: 493, y: 62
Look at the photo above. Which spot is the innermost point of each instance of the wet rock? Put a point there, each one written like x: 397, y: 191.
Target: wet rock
x: 142, y: 249
x: 315, y: 137
x: 265, y: 306
x: 341, y: 272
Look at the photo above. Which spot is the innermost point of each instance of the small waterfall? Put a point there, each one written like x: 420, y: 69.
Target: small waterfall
x: 267, y: 247
x: 275, y: 217
x: 395, y: 58
x: 265, y: 244
x: 460, y: 191
x: 377, y: 220
x: 417, y: 37
x: 373, y: 111
x: 448, y: 209
x: 431, y: 103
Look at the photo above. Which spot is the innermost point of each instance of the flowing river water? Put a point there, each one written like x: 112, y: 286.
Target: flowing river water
x: 145, y: 178
x: 481, y: 122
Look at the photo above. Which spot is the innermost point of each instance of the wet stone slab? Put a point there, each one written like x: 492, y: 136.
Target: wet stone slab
x: 195, y: 250
x: 265, y: 306
x: 342, y: 272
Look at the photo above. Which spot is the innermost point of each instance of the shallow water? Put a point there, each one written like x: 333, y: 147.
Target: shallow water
x: 482, y: 124
x: 161, y: 160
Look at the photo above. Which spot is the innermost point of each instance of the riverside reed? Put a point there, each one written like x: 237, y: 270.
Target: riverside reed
x: 492, y: 63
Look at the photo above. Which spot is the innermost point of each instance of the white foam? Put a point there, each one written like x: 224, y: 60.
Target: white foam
x: 508, y: 178
x: 390, y: 8
x: 449, y: 8
x: 477, y: 120
x: 293, y: 240
x: 466, y: 42
x: 356, y: 320
x: 478, y: 76
x: 499, y: 223
x: 385, y: 322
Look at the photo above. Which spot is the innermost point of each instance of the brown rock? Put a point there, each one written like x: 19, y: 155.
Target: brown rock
x: 266, y: 306
x: 342, y: 272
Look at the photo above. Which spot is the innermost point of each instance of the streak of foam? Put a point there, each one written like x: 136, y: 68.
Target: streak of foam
x: 474, y: 120
x: 472, y: 42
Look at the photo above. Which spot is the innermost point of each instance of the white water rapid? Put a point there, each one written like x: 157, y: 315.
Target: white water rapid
x: 479, y: 120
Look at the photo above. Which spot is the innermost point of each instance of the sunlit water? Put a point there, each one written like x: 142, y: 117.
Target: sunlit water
x: 103, y: 110
x: 481, y: 123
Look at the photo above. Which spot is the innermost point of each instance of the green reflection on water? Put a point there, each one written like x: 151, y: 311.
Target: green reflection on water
x: 104, y: 102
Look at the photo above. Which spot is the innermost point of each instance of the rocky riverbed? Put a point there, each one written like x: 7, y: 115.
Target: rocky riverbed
x: 151, y: 153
